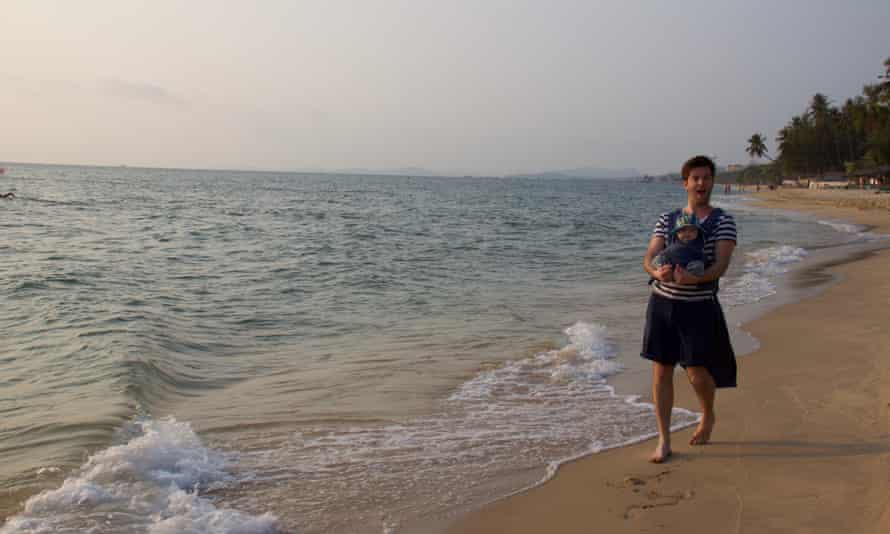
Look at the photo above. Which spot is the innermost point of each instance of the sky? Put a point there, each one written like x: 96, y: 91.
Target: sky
x: 457, y: 87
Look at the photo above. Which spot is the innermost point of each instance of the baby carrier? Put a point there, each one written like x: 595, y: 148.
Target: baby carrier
x: 708, y: 227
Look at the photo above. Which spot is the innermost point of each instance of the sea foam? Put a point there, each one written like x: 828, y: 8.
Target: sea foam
x: 506, y: 428
x: 589, y: 356
x: 152, y: 483
x: 857, y: 231
x: 758, y: 279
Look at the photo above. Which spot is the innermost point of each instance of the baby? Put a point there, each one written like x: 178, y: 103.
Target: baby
x: 686, y: 246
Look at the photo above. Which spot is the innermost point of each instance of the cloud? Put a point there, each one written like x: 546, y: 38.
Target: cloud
x: 144, y: 92
x: 122, y: 89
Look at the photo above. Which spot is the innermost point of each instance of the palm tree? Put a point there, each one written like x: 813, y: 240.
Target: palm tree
x: 820, y: 106
x: 825, y: 137
x: 757, y: 147
x: 885, y: 85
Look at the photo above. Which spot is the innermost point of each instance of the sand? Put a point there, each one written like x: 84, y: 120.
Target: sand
x: 855, y: 205
x: 803, y: 445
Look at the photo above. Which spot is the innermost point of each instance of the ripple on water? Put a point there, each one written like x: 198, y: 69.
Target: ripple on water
x: 334, y: 316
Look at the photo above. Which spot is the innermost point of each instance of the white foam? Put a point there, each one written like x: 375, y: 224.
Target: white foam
x: 735, y: 203
x: 589, y: 355
x: 774, y: 260
x: 760, y: 270
x: 48, y: 470
x: 505, y: 428
x: 152, y: 484
x: 730, y: 200
x: 684, y: 418
x: 857, y: 231
x: 843, y: 227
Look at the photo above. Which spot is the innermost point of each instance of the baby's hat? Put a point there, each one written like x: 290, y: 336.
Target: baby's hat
x: 685, y: 220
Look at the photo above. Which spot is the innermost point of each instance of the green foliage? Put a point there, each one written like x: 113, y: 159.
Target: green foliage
x: 826, y: 138
x: 753, y: 174
x: 757, y: 146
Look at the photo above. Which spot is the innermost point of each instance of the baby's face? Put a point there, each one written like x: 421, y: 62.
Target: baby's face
x: 687, y: 233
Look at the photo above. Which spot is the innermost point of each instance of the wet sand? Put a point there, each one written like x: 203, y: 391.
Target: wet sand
x: 855, y: 205
x: 803, y: 445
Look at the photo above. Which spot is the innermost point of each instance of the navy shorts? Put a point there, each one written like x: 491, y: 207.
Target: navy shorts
x: 689, y: 334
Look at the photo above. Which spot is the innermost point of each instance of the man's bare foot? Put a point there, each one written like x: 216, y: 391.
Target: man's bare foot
x: 661, y: 454
x: 702, y: 434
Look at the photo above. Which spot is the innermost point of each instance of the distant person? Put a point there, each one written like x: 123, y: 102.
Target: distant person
x: 684, y: 321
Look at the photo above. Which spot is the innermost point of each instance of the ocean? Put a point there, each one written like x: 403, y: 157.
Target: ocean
x: 221, y: 351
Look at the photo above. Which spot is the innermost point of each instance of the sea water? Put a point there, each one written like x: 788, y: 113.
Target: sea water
x: 220, y: 351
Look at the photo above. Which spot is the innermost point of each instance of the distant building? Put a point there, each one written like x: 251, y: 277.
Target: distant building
x: 733, y: 167
x: 831, y: 181
x: 877, y: 176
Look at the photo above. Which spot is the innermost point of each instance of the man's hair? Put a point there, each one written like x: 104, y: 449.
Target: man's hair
x: 696, y: 162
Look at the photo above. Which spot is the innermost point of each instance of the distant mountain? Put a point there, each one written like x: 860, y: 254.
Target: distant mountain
x: 400, y: 171
x: 582, y: 172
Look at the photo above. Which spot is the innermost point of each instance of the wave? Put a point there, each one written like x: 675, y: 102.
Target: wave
x: 589, y: 356
x: 52, y: 202
x: 857, y: 231
x: 157, y: 483
x: 735, y: 203
x: 758, y: 279
x: 507, y: 427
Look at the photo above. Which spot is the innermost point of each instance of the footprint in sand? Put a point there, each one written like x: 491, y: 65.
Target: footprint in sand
x: 655, y: 497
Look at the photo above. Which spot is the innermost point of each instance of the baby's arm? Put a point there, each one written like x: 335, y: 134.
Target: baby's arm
x: 696, y: 267
x: 659, y: 260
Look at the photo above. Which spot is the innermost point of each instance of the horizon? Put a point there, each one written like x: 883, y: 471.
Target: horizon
x: 422, y: 173
x: 404, y: 172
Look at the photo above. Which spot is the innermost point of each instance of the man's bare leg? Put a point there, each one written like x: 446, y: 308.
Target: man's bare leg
x: 663, y: 396
x: 705, y: 389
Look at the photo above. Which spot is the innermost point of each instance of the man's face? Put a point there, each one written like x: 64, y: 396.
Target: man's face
x: 698, y: 185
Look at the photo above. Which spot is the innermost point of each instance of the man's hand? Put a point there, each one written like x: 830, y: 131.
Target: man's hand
x: 684, y: 277
x: 665, y: 273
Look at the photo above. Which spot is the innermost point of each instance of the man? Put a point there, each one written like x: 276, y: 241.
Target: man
x: 684, y: 321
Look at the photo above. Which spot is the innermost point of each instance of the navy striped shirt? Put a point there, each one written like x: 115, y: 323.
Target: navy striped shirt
x: 723, y: 230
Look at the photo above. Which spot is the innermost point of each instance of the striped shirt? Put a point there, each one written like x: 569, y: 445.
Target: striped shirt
x: 723, y: 229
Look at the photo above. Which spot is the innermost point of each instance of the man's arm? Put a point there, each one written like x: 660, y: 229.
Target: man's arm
x: 663, y: 273
x: 722, y: 254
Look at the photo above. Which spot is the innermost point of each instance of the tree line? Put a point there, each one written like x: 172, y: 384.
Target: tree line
x: 827, y: 138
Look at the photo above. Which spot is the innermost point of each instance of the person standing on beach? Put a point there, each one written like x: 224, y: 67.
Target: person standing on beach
x: 684, y: 321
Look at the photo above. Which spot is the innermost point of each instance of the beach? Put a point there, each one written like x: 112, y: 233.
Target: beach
x: 802, y: 445
x: 346, y: 353
x: 342, y: 353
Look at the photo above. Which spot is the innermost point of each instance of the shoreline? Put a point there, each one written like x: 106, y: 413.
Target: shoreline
x: 858, y: 206
x: 617, y: 490
x: 630, y: 396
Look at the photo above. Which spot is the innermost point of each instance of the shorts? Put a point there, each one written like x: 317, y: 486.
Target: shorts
x: 690, y: 334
